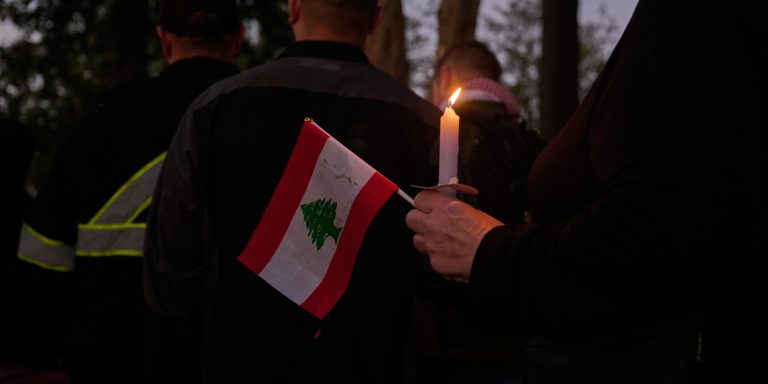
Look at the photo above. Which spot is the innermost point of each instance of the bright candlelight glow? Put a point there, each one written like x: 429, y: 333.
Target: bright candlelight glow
x: 449, y: 145
x: 455, y: 96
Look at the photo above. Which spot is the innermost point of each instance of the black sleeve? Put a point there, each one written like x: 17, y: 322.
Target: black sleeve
x: 174, y: 264
x: 55, y: 212
x: 41, y: 276
x: 633, y: 167
x: 624, y: 255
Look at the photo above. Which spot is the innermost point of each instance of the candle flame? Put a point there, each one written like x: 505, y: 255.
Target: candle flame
x: 455, y: 96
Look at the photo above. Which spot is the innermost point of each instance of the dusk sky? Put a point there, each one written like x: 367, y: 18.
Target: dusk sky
x: 620, y: 10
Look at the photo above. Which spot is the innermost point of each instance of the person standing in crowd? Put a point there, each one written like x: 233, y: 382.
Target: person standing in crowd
x: 86, y: 229
x: 212, y: 315
x: 496, y: 147
x: 462, y: 337
x: 648, y: 211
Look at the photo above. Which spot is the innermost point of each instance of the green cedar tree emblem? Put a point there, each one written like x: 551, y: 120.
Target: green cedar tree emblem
x: 319, y: 216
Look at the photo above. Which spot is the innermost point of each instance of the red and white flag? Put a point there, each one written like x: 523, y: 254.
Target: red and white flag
x: 307, y: 241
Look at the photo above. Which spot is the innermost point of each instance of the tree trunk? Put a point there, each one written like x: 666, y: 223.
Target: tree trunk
x: 386, y: 46
x: 456, y: 23
x: 559, y: 64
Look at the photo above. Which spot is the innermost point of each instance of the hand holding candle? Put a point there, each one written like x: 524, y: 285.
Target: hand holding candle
x: 449, y: 146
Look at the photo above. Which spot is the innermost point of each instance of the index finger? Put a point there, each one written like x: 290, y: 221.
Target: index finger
x: 415, y: 220
x: 427, y: 200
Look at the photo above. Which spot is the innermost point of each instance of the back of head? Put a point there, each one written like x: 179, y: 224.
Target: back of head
x: 199, y: 19
x: 470, y: 60
x: 340, y: 16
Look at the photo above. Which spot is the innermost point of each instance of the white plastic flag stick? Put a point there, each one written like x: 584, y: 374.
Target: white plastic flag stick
x: 406, y: 197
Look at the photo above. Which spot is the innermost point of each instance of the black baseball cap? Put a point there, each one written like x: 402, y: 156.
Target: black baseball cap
x: 208, y: 18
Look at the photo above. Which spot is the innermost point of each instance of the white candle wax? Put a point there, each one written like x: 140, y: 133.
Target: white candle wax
x: 449, y: 148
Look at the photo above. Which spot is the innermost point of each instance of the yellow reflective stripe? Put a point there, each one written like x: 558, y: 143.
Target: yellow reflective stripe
x: 97, y: 240
x: 139, y: 210
x: 57, y: 268
x: 113, y: 226
x: 116, y: 252
x: 44, y: 252
x: 138, y: 175
x: 45, y: 240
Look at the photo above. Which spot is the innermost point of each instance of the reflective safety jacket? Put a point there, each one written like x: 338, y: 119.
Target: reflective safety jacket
x: 101, y: 184
x: 115, y: 230
x: 89, y: 218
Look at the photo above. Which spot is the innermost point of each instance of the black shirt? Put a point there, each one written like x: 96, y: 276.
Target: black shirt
x: 214, y: 314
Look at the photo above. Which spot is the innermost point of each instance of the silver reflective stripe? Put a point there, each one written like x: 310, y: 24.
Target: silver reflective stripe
x: 112, y: 232
x: 47, y: 253
x: 110, y: 240
x: 133, y: 196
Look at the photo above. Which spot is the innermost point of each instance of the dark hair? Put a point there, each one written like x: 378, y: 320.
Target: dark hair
x: 199, y: 18
x: 471, y: 56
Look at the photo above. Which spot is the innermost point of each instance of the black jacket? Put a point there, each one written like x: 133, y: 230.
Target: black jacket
x: 496, y: 156
x: 101, y: 313
x: 211, y: 315
x: 648, y: 208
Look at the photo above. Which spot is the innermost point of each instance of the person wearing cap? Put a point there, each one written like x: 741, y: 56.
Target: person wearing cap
x: 83, y: 239
x: 222, y: 323
x: 463, y: 337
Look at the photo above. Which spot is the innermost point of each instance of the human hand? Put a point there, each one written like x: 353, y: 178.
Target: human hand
x: 449, y: 232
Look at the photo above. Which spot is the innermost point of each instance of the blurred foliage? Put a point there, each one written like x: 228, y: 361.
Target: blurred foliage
x: 594, y: 38
x: 421, y: 41
x: 516, y: 37
x: 71, y: 51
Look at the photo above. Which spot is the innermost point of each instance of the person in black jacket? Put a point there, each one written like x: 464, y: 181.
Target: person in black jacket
x: 219, y: 321
x: 86, y: 229
x: 648, y: 209
x: 462, y: 337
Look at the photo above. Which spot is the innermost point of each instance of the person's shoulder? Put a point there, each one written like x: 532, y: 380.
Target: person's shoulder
x: 387, y: 82
x: 225, y: 86
x: 129, y: 96
x: 479, y: 109
x: 120, y: 110
x: 322, y: 76
x: 367, y: 82
x: 486, y: 116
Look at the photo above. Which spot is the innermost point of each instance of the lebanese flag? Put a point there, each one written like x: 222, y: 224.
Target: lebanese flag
x: 307, y: 240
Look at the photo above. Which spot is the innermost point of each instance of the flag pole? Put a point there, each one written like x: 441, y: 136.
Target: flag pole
x: 406, y: 197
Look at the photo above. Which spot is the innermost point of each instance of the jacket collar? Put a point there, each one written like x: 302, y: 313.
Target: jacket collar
x: 325, y: 50
x: 199, y: 65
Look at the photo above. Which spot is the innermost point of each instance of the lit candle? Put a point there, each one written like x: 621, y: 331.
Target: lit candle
x: 449, y: 146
